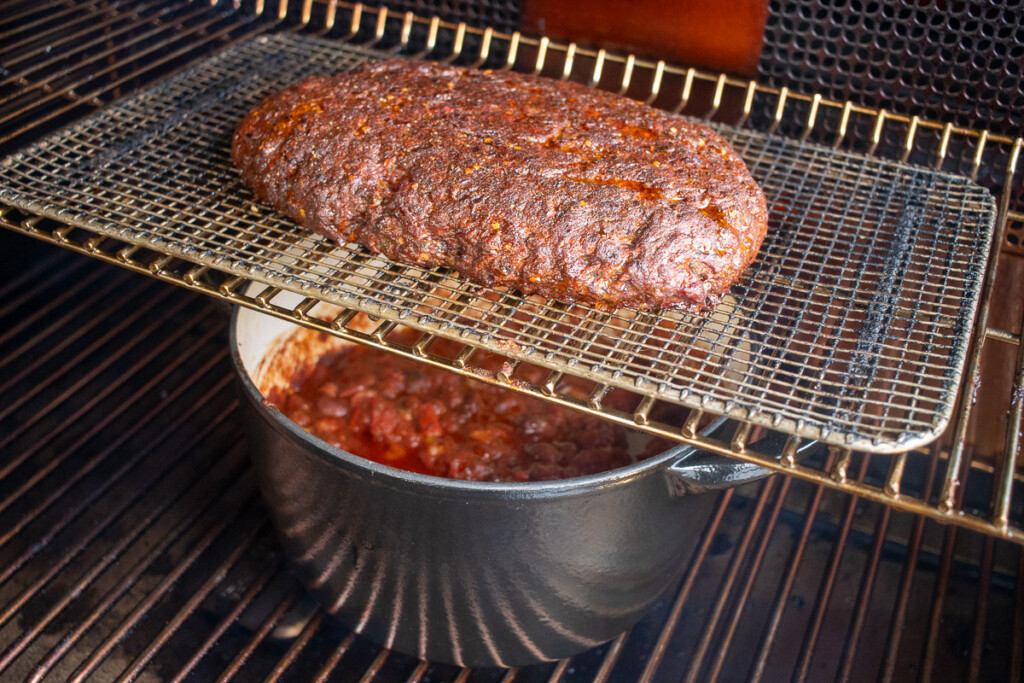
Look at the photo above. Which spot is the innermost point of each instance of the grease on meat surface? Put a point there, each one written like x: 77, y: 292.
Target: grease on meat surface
x: 512, y: 180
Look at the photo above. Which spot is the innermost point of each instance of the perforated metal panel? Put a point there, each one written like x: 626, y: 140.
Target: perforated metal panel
x: 962, y: 62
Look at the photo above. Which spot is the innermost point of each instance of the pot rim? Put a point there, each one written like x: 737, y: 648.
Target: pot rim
x: 505, y: 490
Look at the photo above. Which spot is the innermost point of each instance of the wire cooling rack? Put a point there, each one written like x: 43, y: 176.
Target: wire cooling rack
x: 851, y: 327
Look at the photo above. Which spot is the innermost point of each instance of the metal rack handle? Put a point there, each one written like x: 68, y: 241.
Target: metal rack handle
x: 701, y: 471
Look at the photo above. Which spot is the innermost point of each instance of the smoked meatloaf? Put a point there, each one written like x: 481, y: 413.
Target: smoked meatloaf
x: 548, y: 187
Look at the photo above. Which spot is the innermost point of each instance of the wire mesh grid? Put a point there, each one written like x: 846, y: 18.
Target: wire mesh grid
x: 851, y: 327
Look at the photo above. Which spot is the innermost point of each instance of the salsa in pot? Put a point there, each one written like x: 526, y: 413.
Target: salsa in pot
x: 411, y: 416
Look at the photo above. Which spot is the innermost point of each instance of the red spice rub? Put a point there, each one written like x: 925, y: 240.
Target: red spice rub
x: 512, y: 180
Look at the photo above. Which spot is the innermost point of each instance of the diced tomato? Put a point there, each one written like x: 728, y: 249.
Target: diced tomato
x: 402, y: 414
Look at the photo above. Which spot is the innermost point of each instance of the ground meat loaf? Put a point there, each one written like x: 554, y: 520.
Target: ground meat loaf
x: 512, y: 180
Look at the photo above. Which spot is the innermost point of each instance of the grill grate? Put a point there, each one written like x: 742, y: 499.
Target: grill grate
x: 500, y: 15
x: 851, y: 327
x: 829, y: 585
x: 977, y: 154
x: 143, y: 553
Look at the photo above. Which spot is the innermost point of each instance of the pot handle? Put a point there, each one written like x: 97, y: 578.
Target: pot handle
x: 701, y: 471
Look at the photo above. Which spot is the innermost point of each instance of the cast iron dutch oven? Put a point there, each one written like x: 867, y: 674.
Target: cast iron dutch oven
x: 471, y: 573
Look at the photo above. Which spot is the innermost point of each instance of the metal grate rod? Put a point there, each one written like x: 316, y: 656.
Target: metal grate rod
x: 128, y: 464
x: 895, y: 475
x: 725, y: 588
x: 1003, y: 336
x: 1007, y: 468
x: 339, y: 652
x: 64, y: 322
x: 609, y: 659
x: 938, y: 601
x: 24, y: 455
x: 216, y: 577
x: 74, y: 513
x: 375, y: 665
x: 141, y: 524
x: 661, y: 645
x: 244, y: 489
x: 112, y: 86
x: 746, y: 586
x: 300, y: 643
x: 952, y: 480
x: 93, y: 462
x: 52, y: 93
x: 96, y: 398
x: 807, y: 649
x: 864, y: 595
x: 109, y: 29
x: 79, y: 358
x: 981, y: 610
x: 28, y: 27
x: 907, y: 579
x: 40, y: 277
x: 258, y: 637
x: 63, y: 25
x: 414, y: 677
x: 68, y: 294
x: 230, y: 618
x: 558, y: 671
x: 782, y: 595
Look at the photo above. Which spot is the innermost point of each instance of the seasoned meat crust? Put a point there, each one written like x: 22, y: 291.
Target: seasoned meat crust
x: 512, y: 180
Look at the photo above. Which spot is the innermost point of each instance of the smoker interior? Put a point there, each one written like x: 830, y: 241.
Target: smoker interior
x: 134, y: 544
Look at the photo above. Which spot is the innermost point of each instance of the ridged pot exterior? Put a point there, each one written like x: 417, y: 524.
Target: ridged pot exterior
x: 475, y: 575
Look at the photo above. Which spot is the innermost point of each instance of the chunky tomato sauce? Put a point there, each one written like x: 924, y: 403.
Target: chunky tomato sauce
x: 408, y: 415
